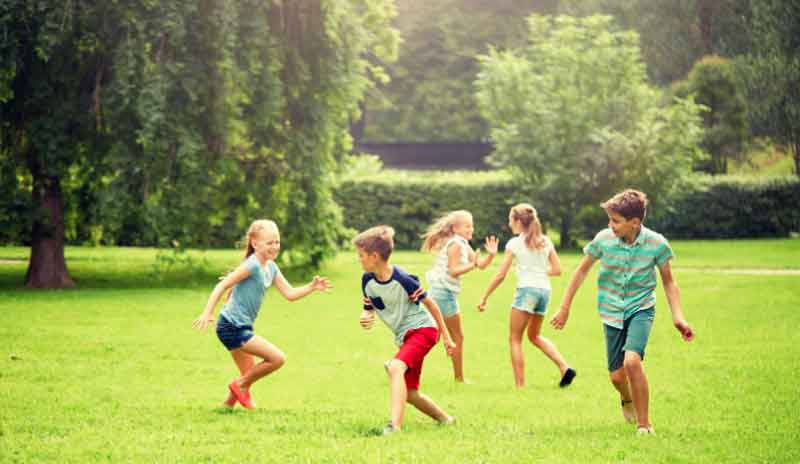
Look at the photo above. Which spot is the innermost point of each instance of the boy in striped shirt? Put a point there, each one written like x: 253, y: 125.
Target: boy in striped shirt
x: 628, y: 253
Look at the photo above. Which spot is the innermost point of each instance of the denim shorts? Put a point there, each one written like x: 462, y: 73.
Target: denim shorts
x: 532, y: 300
x: 233, y: 336
x: 632, y: 337
x: 447, y: 300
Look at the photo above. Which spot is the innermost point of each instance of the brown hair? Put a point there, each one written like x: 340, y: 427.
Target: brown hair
x: 378, y: 239
x: 527, y: 217
x: 442, y: 229
x: 628, y: 204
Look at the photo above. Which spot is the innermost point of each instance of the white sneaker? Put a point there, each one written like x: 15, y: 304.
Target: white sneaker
x: 628, y: 411
x: 390, y: 429
x: 645, y: 430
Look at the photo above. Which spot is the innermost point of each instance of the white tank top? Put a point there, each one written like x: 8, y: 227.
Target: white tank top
x: 439, y: 276
x: 531, y: 263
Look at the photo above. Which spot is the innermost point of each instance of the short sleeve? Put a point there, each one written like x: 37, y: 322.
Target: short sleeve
x: 252, y: 264
x: 412, y: 286
x: 593, y: 248
x: 273, y: 271
x: 664, y: 254
x: 511, y: 245
x: 365, y: 278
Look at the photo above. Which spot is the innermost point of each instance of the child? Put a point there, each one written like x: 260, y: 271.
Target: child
x: 395, y: 296
x: 450, y: 236
x: 250, y: 282
x: 628, y: 254
x: 533, y: 252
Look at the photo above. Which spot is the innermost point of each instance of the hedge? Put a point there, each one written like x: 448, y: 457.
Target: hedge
x: 705, y: 207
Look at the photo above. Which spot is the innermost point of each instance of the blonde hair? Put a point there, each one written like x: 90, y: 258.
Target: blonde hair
x: 442, y: 229
x: 257, y: 228
x: 628, y: 204
x: 378, y: 239
x: 527, y: 217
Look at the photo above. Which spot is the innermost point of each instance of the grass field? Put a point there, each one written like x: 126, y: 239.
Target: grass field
x: 113, y: 371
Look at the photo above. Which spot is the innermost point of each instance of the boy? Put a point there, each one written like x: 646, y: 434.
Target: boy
x: 628, y: 253
x: 395, y: 296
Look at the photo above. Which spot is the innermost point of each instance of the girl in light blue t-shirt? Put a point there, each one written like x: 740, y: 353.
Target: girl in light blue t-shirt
x: 248, y: 283
x: 449, y: 236
x: 536, y: 261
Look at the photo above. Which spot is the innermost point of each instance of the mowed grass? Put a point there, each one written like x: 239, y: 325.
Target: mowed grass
x: 113, y: 371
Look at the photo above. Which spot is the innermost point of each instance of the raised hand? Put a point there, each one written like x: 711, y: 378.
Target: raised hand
x: 491, y: 245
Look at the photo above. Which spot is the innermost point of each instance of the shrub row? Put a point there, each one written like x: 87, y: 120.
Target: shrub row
x: 706, y: 207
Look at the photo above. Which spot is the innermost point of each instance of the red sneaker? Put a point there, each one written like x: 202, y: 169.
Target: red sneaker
x: 230, y: 401
x: 243, y: 397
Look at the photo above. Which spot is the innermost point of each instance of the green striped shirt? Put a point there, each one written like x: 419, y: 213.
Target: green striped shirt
x: 626, y: 282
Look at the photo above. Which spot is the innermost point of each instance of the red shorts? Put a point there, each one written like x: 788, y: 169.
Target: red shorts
x: 416, y: 344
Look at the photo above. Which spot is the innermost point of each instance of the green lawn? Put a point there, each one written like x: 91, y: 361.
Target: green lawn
x: 114, y: 372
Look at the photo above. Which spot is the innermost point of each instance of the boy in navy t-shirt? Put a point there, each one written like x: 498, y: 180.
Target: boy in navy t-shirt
x: 396, y: 296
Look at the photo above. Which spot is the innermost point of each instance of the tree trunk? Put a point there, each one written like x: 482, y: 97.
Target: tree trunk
x: 796, y: 158
x: 566, y: 241
x: 704, y: 15
x: 47, y: 267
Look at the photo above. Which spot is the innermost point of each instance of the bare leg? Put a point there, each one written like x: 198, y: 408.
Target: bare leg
x: 547, y: 347
x: 620, y: 381
x: 244, y: 362
x: 397, y: 387
x: 453, y: 324
x: 640, y: 390
x: 518, y: 322
x: 427, y: 406
x: 273, y: 359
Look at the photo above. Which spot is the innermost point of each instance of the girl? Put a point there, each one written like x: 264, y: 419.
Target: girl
x: 249, y: 282
x: 450, y: 236
x: 533, y: 252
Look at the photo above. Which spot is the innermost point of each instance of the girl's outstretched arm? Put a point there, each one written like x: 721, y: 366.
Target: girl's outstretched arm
x: 498, y: 278
x: 560, y: 319
x: 318, y: 283
x: 206, y: 318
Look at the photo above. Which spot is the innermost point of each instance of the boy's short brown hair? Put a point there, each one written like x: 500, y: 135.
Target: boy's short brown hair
x: 378, y: 239
x: 628, y: 204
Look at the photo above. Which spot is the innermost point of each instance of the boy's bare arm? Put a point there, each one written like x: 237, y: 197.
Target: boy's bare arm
x: 673, y: 293
x: 560, y: 319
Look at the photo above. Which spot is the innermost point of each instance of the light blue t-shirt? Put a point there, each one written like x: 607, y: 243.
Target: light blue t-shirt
x: 392, y: 301
x: 245, y: 301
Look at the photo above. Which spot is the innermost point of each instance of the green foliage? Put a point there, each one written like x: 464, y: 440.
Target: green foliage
x: 573, y: 115
x: 771, y: 73
x: 411, y: 201
x: 713, y: 84
x: 731, y: 207
x: 178, y: 120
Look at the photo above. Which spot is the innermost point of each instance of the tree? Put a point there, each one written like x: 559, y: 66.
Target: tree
x: 574, y: 117
x: 771, y: 73
x: 714, y: 85
x: 193, y: 117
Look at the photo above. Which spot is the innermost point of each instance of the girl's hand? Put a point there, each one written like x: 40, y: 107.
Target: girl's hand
x: 491, y: 245
x: 482, y: 304
x: 203, y: 321
x: 560, y: 319
x: 321, y: 284
x: 367, y: 319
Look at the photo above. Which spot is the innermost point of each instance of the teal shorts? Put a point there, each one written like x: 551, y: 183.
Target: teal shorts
x: 632, y: 337
x: 532, y: 300
x: 447, y: 300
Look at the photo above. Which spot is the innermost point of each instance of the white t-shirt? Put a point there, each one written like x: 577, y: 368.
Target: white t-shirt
x: 531, y: 263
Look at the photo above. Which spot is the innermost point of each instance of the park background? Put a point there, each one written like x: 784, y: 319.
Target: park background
x: 138, y: 140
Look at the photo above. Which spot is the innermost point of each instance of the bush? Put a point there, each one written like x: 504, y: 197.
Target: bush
x: 410, y: 201
x: 731, y: 207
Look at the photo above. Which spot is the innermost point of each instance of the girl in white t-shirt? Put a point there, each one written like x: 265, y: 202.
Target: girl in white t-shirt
x: 449, y: 237
x: 536, y: 261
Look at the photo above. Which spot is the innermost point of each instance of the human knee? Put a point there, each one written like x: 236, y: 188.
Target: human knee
x: 618, y: 376
x: 279, y: 359
x: 395, y: 367
x: 632, y: 362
